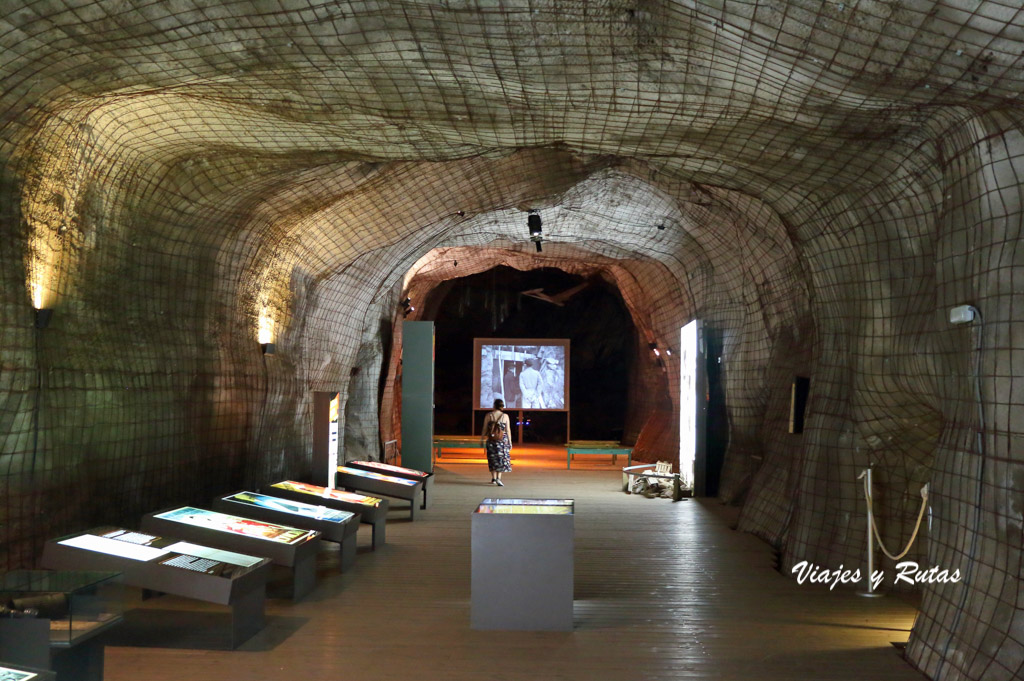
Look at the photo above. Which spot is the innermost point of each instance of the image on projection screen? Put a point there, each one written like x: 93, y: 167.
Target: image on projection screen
x: 524, y: 373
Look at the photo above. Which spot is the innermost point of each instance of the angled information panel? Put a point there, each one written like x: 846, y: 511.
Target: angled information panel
x: 169, y: 565
x: 372, y: 511
x: 334, y: 525
x: 399, y: 472
x: 292, y: 547
x: 378, y: 483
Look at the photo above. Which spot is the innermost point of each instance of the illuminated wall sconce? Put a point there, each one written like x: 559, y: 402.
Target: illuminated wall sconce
x: 42, y: 298
x: 654, y: 349
x: 39, y: 302
x: 265, y: 332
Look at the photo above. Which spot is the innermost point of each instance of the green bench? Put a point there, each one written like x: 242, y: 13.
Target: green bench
x: 575, y: 448
x: 455, y: 442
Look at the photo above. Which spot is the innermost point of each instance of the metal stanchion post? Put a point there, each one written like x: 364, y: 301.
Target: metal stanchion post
x: 869, y: 591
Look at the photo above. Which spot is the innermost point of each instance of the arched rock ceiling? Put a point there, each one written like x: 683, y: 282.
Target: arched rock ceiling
x: 784, y: 100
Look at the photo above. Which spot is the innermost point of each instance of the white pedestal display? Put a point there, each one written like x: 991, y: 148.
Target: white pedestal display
x: 522, y: 572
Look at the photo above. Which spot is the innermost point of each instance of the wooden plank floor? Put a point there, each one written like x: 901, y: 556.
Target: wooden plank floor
x: 663, y: 591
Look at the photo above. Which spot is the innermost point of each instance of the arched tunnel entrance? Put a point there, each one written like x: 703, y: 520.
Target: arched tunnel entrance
x: 542, y: 303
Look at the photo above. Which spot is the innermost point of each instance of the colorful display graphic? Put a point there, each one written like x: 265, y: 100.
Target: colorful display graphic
x: 327, y: 493
x: 295, y: 507
x: 524, y: 373
x: 375, y: 476
x: 113, y: 547
x: 223, y: 522
x: 522, y: 509
x: 394, y: 469
x: 530, y: 502
x: 527, y: 506
x: 7, y: 674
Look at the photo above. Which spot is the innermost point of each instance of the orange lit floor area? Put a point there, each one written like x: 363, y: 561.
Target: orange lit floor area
x: 663, y: 590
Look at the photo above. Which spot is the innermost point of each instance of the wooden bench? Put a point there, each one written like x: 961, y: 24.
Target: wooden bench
x: 658, y: 471
x: 596, y: 447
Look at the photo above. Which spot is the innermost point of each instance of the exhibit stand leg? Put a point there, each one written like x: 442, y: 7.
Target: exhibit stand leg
x: 247, y: 615
x: 82, y: 662
x: 304, y: 576
x: 426, y: 486
x: 347, y: 553
x: 378, y: 533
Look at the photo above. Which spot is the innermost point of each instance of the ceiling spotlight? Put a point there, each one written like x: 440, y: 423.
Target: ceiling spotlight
x: 654, y: 349
x: 461, y: 213
x: 406, y: 303
x: 533, y: 222
x: 661, y: 226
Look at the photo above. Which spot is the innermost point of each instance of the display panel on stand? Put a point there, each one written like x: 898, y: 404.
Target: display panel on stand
x: 145, y: 548
x: 527, y: 506
x: 327, y: 493
x: 531, y: 374
x: 244, y: 526
x: 293, y: 507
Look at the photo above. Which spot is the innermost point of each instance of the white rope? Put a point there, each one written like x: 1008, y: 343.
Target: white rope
x: 874, y: 525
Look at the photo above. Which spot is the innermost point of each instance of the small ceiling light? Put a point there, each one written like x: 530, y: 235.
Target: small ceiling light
x: 654, y: 349
x: 533, y: 223
x: 661, y: 226
x: 668, y: 351
x: 461, y: 213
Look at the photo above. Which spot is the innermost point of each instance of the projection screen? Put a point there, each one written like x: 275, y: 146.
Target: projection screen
x: 526, y: 373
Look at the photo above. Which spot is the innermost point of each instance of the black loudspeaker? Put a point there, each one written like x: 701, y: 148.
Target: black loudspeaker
x: 798, y: 403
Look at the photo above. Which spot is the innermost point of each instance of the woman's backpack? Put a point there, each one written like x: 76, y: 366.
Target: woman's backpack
x: 496, y: 434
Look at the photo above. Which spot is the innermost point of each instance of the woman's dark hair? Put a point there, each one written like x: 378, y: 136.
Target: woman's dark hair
x: 499, y: 404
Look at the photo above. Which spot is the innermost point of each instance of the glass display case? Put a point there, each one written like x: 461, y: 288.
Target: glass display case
x: 78, y: 605
x: 11, y: 672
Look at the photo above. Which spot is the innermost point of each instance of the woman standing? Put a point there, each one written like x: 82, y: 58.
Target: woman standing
x: 496, y: 436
